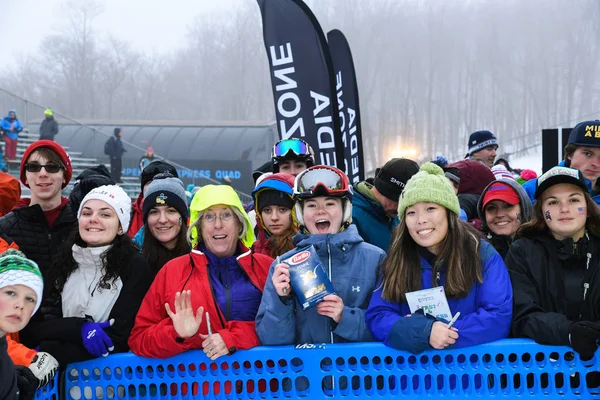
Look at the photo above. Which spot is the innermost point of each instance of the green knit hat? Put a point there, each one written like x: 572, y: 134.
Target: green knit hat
x: 429, y: 185
x: 16, y: 269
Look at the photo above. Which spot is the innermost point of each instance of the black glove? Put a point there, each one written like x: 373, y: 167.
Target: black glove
x: 27, y: 383
x: 584, y: 336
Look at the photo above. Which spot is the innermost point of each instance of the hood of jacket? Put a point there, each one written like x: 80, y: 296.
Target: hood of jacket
x: 211, y: 195
x: 524, y: 202
x: 10, y: 193
x: 365, y: 202
x: 474, y: 176
x: 339, y: 243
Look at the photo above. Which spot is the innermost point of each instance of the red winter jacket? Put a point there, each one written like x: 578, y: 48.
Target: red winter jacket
x: 154, y: 335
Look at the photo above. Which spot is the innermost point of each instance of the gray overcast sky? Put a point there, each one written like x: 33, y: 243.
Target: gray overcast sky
x: 150, y: 25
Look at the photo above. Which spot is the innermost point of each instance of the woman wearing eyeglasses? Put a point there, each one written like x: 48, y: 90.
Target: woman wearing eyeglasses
x: 324, y: 209
x: 220, y: 276
x: 275, y: 220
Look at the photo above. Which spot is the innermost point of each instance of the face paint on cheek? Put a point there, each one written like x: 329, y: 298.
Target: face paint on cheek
x: 518, y: 216
x: 547, y: 215
x: 581, y: 210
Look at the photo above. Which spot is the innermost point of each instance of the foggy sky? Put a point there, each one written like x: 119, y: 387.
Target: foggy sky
x: 152, y: 26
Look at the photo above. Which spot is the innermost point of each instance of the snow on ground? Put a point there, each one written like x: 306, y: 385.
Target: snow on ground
x: 533, y: 160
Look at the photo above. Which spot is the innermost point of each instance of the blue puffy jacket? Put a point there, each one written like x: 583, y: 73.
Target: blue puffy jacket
x: 7, y: 124
x: 485, y: 314
x: 373, y: 225
x: 351, y: 265
x: 531, y: 185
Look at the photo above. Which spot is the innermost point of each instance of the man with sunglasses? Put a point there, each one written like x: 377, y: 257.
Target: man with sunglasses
x: 375, y: 206
x: 292, y: 156
x: 38, y: 225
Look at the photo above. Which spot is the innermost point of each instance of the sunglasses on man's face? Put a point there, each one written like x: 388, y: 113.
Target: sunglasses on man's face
x: 51, y: 168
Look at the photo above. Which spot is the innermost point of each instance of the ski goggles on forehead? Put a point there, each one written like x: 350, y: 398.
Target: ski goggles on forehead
x: 317, y: 180
x: 297, y: 147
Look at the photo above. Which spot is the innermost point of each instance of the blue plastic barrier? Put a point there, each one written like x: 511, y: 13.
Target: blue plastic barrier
x: 48, y: 392
x: 512, y: 368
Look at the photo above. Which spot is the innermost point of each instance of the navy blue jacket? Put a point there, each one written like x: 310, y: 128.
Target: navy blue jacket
x: 351, y: 265
x: 485, y: 313
x: 115, y: 147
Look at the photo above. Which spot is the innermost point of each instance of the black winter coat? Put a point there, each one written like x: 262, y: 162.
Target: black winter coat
x: 61, y: 337
x: 48, y: 128
x: 28, y: 228
x: 547, y: 277
x: 8, y: 376
x: 115, y: 147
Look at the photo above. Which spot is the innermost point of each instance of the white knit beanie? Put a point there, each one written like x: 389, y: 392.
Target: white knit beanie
x: 116, y: 198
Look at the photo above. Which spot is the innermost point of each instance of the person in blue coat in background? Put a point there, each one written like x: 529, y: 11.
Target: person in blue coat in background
x: 11, y: 127
x: 375, y: 206
x: 582, y: 152
x: 323, y: 209
x: 431, y: 248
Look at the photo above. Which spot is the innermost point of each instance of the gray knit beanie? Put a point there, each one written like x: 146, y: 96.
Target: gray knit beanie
x: 165, y: 190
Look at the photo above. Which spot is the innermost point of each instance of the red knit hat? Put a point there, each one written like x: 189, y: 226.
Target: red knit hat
x: 55, y: 147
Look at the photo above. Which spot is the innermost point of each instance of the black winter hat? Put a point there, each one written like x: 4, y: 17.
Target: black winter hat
x: 117, y: 130
x: 274, y: 198
x: 263, y: 169
x: 155, y: 168
x: 97, y: 170
x: 479, y: 140
x: 586, y: 133
x: 392, y: 177
x: 557, y: 175
x: 85, y: 185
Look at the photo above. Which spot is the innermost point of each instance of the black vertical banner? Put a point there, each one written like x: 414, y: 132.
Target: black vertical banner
x: 302, y: 78
x: 348, y: 105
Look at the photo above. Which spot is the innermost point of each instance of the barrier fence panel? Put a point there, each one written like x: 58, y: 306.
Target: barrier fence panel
x: 48, y: 392
x: 512, y: 368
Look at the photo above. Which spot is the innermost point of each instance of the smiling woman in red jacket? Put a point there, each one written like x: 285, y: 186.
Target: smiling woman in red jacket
x: 220, y: 277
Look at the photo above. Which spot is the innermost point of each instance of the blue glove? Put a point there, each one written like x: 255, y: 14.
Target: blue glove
x: 95, y: 340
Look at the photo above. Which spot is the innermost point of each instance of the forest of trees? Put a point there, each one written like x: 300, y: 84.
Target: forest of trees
x: 429, y: 71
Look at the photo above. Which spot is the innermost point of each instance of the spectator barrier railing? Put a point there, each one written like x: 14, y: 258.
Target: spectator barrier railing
x: 48, y: 392
x: 511, y: 368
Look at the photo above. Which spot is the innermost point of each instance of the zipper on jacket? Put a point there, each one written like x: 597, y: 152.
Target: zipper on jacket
x: 437, y: 278
x: 227, y: 296
x: 248, y: 276
x: 330, y: 278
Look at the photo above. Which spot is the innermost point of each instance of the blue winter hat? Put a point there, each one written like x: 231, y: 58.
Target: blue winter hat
x: 586, y: 133
x: 479, y: 140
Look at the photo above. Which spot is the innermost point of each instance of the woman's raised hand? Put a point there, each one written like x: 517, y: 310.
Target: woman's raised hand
x: 185, y: 323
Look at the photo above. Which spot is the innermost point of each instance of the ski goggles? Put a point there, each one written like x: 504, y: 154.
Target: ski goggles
x: 296, y: 146
x: 321, y: 180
